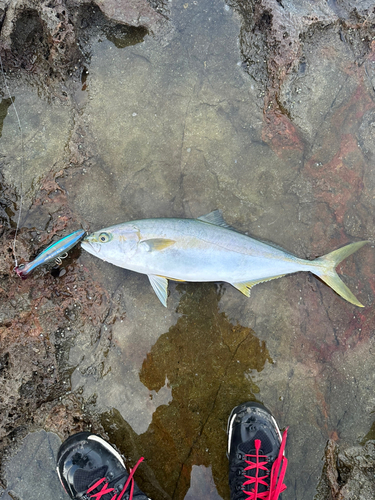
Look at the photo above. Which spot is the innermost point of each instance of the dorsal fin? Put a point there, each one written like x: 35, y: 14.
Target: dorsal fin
x: 216, y: 218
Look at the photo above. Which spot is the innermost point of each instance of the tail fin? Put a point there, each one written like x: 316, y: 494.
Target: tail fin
x: 328, y: 274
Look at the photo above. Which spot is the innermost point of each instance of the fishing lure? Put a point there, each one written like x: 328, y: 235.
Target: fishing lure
x: 56, y: 251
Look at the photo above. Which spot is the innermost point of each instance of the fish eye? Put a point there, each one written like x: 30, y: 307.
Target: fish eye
x: 104, y: 237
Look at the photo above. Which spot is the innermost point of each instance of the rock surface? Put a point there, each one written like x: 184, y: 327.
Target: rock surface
x: 348, y: 474
x: 31, y: 471
x: 132, y: 109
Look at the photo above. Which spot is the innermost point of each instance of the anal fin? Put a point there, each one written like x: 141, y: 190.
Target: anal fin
x: 245, y: 286
x: 160, y: 286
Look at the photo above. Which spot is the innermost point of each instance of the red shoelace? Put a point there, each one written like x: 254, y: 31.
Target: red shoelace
x: 105, y: 490
x: 275, y: 485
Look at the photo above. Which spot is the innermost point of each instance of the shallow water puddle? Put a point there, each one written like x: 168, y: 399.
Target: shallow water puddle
x: 209, y: 364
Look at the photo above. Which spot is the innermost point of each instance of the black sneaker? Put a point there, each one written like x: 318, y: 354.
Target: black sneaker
x: 257, y: 462
x: 90, y: 468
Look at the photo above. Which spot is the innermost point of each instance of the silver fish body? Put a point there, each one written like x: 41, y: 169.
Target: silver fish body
x: 203, y: 249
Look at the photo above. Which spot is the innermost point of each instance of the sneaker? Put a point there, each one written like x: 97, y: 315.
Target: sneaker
x: 90, y: 468
x: 257, y: 463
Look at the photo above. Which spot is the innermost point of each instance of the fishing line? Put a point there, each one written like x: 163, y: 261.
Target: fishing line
x: 22, y: 161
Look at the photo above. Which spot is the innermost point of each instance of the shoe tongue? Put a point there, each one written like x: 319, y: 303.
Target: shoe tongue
x: 249, y: 446
x: 83, y: 479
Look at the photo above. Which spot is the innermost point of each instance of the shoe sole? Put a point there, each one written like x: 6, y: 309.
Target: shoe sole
x: 242, y: 407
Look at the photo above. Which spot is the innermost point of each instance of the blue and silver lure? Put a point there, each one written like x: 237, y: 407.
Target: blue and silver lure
x: 53, y: 252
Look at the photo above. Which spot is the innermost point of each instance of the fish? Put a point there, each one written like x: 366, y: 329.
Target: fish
x: 52, y: 252
x: 207, y: 249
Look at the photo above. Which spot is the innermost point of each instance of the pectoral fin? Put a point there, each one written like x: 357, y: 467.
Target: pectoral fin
x: 160, y: 286
x: 245, y: 286
x: 157, y: 244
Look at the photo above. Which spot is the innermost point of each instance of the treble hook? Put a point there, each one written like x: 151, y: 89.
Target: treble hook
x: 58, y: 259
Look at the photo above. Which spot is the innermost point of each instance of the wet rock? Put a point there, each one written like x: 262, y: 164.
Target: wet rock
x: 348, y: 474
x: 33, y: 354
x: 34, y: 33
x: 48, y: 39
x: 209, y: 364
x: 179, y: 130
x: 27, y: 377
x: 275, y: 28
x: 7, y: 202
x: 366, y: 134
x: 3, y: 7
x: 280, y: 49
x: 134, y: 13
x: 33, y: 463
x: 65, y: 416
x: 201, y: 476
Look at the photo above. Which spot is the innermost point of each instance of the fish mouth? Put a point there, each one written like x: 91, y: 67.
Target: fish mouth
x: 90, y: 246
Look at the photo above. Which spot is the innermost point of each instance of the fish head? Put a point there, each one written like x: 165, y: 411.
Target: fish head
x: 113, y: 244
